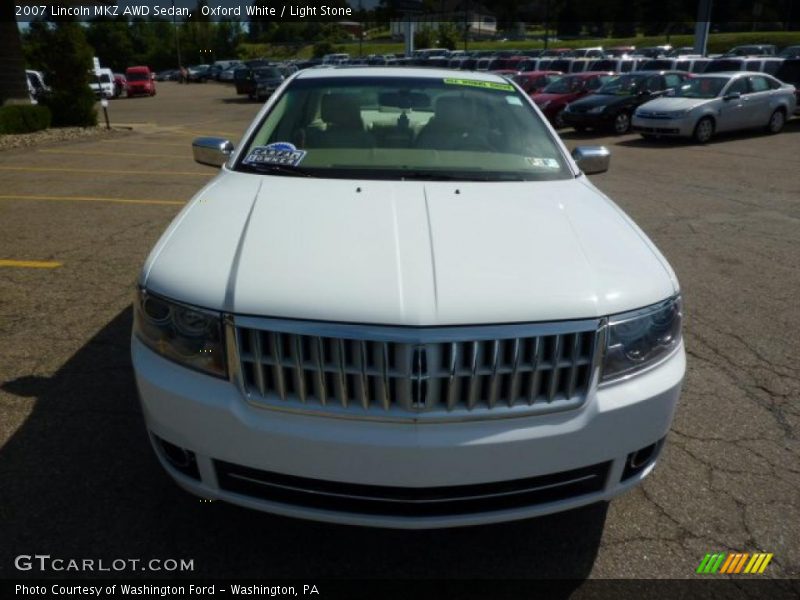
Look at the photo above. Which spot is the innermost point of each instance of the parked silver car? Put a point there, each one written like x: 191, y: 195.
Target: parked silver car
x: 707, y: 104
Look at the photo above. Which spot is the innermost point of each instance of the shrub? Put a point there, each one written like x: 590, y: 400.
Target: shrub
x: 73, y: 108
x: 23, y: 118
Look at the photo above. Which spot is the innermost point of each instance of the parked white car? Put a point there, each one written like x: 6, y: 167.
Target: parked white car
x: 708, y: 104
x: 102, y: 82
x: 402, y: 303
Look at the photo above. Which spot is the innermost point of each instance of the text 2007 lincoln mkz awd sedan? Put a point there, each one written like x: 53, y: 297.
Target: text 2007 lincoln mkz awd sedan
x: 402, y: 303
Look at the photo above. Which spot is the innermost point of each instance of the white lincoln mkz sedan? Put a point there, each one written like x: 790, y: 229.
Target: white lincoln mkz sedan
x: 402, y: 303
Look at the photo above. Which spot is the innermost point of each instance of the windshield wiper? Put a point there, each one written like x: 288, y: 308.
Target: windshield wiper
x: 279, y: 169
x: 436, y: 176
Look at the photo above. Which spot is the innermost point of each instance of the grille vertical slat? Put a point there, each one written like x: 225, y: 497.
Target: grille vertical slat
x: 536, y: 374
x: 474, y: 382
x: 317, y: 370
x: 554, y: 374
x: 451, y: 396
x: 258, y: 367
x: 363, y: 385
x: 277, y: 366
x: 386, y: 393
x: 493, y: 382
x: 298, y: 374
x: 341, y: 382
x: 319, y: 375
x: 513, y: 391
x: 573, y: 370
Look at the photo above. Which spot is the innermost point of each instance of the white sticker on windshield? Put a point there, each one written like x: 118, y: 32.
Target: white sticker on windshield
x: 514, y: 100
x: 542, y: 163
x: 279, y: 153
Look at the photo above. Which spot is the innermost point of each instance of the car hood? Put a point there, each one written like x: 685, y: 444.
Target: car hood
x: 542, y: 98
x: 670, y: 104
x: 406, y: 253
x: 593, y: 100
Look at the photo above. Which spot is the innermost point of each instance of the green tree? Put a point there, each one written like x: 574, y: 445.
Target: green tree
x: 448, y: 36
x: 111, y: 41
x: 423, y: 38
x: 62, y: 52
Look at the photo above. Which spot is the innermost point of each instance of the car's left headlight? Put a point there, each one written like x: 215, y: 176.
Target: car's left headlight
x: 639, y: 339
x: 187, y: 335
x: 597, y: 109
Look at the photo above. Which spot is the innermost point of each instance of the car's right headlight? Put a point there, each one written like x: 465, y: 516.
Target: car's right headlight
x: 187, y: 335
x: 639, y: 339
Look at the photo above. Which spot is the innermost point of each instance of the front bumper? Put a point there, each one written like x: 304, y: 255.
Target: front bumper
x: 590, y: 120
x: 345, y: 471
x: 679, y: 127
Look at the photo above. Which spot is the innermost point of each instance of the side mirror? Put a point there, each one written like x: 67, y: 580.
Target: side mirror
x: 592, y: 159
x: 211, y: 151
x: 732, y: 96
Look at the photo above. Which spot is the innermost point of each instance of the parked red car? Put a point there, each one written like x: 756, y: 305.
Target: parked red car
x: 532, y: 82
x: 140, y: 81
x: 555, y: 97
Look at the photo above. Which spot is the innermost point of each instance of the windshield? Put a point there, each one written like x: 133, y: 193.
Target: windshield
x: 702, y: 87
x: 267, y: 73
x: 137, y: 76
x: 404, y: 128
x: 565, y: 85
x: 623, y: 85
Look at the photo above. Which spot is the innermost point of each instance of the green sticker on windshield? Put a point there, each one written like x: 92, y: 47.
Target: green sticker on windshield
x: 486, y: 85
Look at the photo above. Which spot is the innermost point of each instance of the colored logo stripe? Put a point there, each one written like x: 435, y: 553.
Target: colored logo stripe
x: 734, y: 563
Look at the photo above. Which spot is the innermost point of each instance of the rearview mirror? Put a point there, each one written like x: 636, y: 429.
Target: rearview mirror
x: 592, y: 159
x: 211, y: 151
x: 732, y: 96
x: 404, y: 100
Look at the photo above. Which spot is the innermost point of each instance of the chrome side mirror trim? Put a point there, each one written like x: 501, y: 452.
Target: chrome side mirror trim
x: 592, y: 159
x: 211, y: 151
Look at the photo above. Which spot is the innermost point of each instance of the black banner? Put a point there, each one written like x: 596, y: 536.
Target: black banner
x: 326, y: 589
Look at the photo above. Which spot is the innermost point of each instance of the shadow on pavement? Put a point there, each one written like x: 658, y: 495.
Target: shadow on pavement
x: 80, y: 481
x: 237, y: 100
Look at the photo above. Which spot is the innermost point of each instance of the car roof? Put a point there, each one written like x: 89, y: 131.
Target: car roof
x: 400, y: 72
x: 731, y: 74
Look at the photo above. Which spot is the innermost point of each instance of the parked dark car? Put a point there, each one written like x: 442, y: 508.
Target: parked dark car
x: 199, y: 73
x: 612, y: 105
x: 557, y: 95
x: 790, y: 52
x: 789, y: 72
x: 753, y: 50
x: 767, y: 64
x: 243, y: 77
x: 267, y: 80
x: 168, y: 75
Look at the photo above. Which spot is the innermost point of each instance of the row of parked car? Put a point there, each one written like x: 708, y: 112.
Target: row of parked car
x: 661, y: 103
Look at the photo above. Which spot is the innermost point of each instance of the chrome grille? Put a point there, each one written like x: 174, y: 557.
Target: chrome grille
x: 414, y: 373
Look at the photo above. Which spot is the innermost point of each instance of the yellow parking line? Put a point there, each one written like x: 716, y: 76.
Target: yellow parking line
x: 90, y: 199
x: 102, y: 171
x: 89, y: 153
x: 30, y: 264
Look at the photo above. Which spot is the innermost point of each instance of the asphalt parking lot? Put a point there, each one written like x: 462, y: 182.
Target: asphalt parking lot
x: 78, y: 476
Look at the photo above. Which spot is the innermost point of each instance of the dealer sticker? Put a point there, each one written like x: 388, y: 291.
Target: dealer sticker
x: 542, y: 163
x: 279, y: 153
x: 487, y: 85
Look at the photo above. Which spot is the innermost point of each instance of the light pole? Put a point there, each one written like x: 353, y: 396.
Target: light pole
x: 177, y: 36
